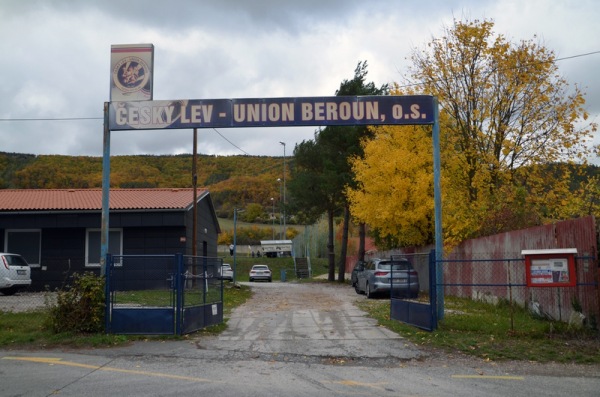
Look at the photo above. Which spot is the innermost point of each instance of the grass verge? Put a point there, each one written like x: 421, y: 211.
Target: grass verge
x: 485, y: 331
x: 30, y: 330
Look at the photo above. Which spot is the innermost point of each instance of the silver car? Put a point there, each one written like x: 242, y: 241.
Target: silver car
x: 226, y: 272
x: 15, y: 273
x: 260, y: 272
x: 379, y: 276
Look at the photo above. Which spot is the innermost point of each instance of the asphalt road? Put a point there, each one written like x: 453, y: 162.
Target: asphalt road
x: 288, y: 340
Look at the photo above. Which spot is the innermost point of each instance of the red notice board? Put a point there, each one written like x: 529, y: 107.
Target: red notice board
x: 550, y: 267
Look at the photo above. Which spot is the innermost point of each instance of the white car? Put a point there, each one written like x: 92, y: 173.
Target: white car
x: 15, y: 273
x: 260, y: 272
x: 226, y: 272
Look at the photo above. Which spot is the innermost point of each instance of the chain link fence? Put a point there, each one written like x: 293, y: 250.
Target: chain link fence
x: 52, y: 275
x: 26, y: 301
x: 503, y: 280
x: 497, y: 281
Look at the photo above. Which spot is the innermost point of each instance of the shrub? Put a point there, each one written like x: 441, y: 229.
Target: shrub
x: 79, y: 308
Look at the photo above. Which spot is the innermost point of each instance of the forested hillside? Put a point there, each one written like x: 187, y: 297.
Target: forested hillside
x: 232, y: 180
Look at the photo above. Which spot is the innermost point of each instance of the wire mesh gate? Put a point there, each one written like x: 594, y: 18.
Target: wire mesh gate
x: 418, y: 314
x: 162, y: 294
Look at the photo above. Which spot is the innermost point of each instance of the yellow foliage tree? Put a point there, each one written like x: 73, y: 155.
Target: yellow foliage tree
x: 505, y: 116
x: 396, y: 184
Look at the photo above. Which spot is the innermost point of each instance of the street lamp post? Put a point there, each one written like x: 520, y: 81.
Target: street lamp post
x: 273, y: 217
x: 284, y: 231
x: 280, y: 208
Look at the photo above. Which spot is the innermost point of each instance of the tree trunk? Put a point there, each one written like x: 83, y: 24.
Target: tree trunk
x: 344, y: 247
x: 330, y: 251
x: 362, y: 232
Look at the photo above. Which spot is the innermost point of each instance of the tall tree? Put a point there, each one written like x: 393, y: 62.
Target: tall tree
x: 322, y: 168
x: 348, y: 141
x: 504, y: 113
x: 316, y: 187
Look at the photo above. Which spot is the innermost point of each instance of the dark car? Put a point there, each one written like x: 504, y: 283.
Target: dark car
x: 381, y: 276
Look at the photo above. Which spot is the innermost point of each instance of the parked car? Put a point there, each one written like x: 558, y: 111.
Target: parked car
x: 358, y: 267
x: 15, y: 273
x: 376, y: 278
x: 260, y: 272
x: 226, y: 272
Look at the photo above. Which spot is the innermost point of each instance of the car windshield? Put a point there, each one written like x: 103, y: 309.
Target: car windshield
x: 260, y: 267
x: 394, y: 266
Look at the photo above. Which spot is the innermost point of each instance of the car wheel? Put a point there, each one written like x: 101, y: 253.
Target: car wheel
x: 357, y: 289
x: 9, y: 291
x: 368, y: 292
x: 270, y: 279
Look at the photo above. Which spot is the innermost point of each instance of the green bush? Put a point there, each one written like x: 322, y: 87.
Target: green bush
x: 79, y: 308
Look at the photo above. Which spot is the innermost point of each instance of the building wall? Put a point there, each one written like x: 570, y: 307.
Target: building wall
x: 153, y: 240
x: 206, y: 231
x: 63, y: 238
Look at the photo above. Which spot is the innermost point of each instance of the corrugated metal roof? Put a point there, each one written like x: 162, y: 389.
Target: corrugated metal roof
x: 91, y: 199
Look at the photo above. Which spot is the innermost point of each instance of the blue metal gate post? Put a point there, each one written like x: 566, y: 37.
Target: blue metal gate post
x: 433, y: 289
x: 179, y: 283
x: 107, y: 288
x: 437, y: 199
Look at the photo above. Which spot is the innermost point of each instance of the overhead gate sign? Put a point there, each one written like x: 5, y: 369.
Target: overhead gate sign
x: 271, y: 112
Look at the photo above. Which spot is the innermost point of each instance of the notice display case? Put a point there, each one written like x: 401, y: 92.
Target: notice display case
x: 550, y: 267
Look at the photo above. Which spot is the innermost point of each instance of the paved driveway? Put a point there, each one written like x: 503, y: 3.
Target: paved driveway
x: 307, y: 322
x: 288, y: 340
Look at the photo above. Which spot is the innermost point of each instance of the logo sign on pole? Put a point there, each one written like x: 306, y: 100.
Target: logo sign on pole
x: 131, y: 72
x: 271, y: 112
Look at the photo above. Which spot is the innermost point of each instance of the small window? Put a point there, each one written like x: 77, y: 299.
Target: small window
x: 93, y: 245
x: 26, y: 243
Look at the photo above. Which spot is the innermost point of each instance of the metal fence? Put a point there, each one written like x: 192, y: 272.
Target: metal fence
x: 499, y: 280
x: 146, y: 294
x: 51, y: 276
x: 421, y: 313
x: 25, y: 301
x: 162, y: 294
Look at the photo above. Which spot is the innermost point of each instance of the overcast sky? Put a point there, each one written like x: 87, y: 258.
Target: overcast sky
x: 55, y: 60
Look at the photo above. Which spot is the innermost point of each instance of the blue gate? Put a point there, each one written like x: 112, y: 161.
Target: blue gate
x: 418, y: 314
x: 162, y: 294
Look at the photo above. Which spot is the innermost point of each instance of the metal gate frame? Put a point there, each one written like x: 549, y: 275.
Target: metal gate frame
x: 418, y: 314
x: 177, y: 319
